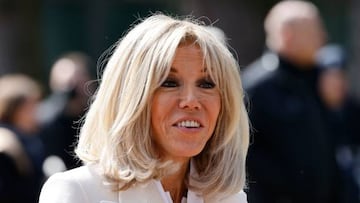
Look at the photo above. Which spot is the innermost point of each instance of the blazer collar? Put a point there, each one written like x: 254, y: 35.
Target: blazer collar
x: 151, y: 192
x: 145, y: 193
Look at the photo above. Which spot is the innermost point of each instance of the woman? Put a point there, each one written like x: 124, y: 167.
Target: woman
x: 167, y: 124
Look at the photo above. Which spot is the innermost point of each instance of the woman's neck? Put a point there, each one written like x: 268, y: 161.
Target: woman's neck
x: 175, y: 183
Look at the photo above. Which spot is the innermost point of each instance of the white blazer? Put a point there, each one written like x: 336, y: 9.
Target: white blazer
x: 86, y: 185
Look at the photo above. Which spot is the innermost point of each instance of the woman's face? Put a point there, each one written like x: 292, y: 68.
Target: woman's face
x: 186, y: 107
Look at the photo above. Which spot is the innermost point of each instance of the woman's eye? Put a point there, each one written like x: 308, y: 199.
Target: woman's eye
x: 207, y: 84
x: 169, y: 83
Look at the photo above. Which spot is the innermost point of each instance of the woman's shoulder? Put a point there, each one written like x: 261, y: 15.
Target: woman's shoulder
x: 77, y: 185
x: 79, y: 175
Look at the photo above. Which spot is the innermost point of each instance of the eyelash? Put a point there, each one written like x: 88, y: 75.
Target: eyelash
x: 207, y: 84
x: 171, y: 83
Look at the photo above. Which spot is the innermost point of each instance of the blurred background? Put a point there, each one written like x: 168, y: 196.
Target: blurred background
x: 57, y: 44
x: 34, y: 33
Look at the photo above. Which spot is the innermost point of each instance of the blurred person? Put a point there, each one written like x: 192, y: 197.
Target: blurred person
x: 291, y: 156
x: 333, y: 87
x: 65, y: 106
x: 21, y: 150
x: 167, y: 124
x: 342, y: 113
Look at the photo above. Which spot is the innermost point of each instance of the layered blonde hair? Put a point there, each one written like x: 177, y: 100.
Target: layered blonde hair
x: 116, y: 133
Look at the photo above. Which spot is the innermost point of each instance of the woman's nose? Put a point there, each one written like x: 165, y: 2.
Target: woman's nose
x: 189, y: 99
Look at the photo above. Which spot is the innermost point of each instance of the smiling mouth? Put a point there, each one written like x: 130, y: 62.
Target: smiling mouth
x: 188, y: 124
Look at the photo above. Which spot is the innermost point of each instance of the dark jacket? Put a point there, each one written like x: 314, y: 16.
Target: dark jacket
x: 60, y: 129
x: 21, y: 184
x: 291, y: 155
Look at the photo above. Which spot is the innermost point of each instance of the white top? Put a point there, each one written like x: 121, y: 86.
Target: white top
x: 86, y: 185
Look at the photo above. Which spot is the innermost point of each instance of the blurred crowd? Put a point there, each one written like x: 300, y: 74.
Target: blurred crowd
x: 38, y: 132
x: 305, y: 131
x: 305, y: 128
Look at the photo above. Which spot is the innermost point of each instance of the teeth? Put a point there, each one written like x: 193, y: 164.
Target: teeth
x: 188, y: 124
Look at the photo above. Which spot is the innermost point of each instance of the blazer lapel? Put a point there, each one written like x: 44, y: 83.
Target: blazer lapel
x: 192, y: 197
x: 149, y: 193
x: 145, y: 193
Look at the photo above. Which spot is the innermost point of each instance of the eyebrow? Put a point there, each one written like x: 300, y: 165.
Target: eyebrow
x: 173, y: 70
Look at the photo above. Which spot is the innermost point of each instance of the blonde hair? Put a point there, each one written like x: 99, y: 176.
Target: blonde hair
x: 116, y: 132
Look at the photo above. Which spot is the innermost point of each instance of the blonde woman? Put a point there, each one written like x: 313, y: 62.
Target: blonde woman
x: 167, y: 124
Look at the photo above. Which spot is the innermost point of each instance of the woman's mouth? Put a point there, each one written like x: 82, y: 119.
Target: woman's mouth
x: 188, y: 124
